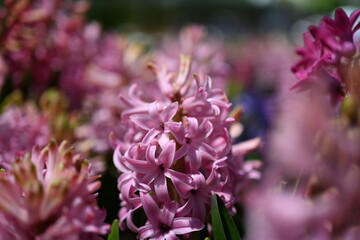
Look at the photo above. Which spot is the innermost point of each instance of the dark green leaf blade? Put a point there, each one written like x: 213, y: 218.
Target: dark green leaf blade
x: 114, y: 234
x: 217, y: 227
x: 223, y: 225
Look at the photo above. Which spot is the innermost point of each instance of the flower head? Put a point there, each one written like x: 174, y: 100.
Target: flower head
x: 329, y: 55
x: 176, y: 153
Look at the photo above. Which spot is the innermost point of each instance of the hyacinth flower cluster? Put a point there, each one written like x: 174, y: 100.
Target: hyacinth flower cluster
x: 36, y: 37
x: 329, y: 58
x: 310, y: 188
x: 177, y: 152
x: 49, y: 194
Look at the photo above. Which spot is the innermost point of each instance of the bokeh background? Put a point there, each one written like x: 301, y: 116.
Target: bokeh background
x: 230, y: 16
x: 259, y: 39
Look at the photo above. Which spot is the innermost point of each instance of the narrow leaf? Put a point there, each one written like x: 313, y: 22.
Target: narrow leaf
x: 114, y: 234
x: 223, y: 225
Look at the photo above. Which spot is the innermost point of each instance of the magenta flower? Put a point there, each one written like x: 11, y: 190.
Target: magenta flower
x: 342, y: 29
x: 49, y: 194
x: 163, y: 224
x: 328, y: 55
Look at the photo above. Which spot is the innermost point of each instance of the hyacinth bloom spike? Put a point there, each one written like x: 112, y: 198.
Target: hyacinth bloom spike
x: 181, y: 155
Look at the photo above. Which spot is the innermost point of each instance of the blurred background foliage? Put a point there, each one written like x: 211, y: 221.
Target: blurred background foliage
x: 231, y: 16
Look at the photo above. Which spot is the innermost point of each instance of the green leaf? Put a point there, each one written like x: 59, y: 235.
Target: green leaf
x: 223, y: 225
x: 114, y: 234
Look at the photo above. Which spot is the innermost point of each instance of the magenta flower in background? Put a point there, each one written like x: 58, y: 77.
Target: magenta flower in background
x: 329, y: 55
x: 49, y: 194
x: 33, y: 36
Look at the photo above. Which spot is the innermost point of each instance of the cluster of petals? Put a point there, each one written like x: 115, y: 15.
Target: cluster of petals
x: 329, y: 51
x: 176, y: 153
x: 49, y: 194
x: 20, y: 129
x: 35, y: 37
x: 51, y: 43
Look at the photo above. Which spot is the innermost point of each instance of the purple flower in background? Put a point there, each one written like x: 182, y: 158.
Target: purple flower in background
x: 261, y: 85
x: 49, y: 194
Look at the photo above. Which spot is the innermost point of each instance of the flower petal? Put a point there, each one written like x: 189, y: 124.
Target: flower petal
x: 154, y: 113
x: 160, y: 187
x: 151, y: 209
x: 182, y: 225
x: 169, y: 112
x: 167, y: 154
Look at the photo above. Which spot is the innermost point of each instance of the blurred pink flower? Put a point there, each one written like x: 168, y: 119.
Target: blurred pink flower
x: 20, y: 129
x: 49, y: 194
x: 309, y: 187
x: 207, y: 53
